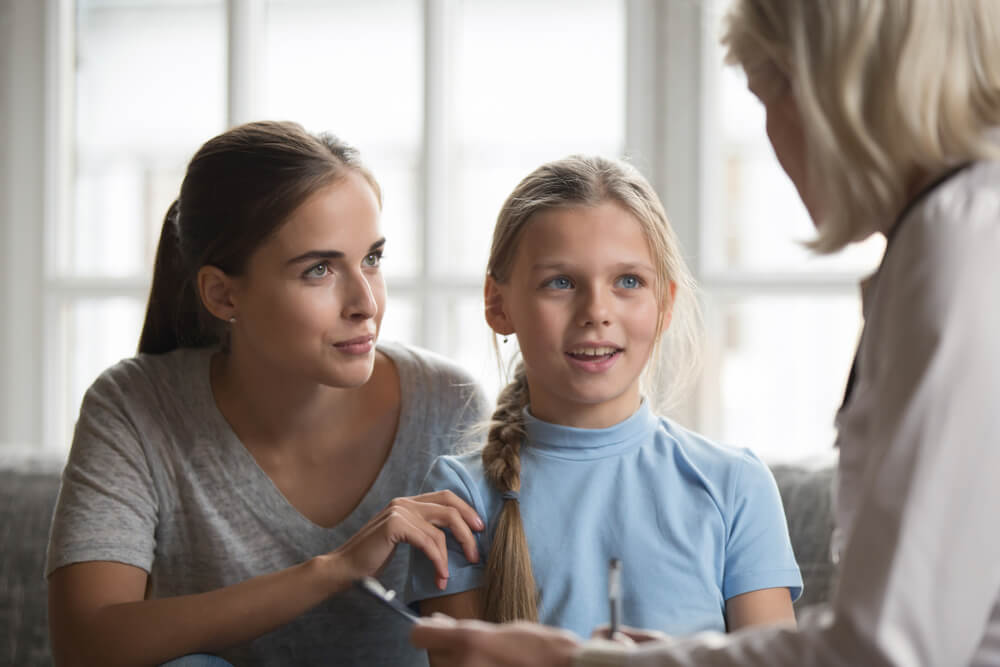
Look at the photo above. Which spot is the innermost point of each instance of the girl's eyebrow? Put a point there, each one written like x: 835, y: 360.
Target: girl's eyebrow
x: 634, y: 266
x: 551, y: 266
x: 314, y: 255
x: 564, y: 266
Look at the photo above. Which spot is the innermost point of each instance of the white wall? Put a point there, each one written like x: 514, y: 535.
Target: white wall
x: 22, y: 187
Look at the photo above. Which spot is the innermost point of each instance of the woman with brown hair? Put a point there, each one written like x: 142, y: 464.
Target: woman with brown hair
x: 229, y: 481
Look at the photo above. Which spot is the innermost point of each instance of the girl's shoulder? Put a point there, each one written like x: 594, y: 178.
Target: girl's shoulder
x: 463, y: 475
x: 723, y: 463
x: 466, y: 467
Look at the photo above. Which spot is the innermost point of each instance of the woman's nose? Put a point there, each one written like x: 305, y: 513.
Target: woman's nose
x: 360, y: 303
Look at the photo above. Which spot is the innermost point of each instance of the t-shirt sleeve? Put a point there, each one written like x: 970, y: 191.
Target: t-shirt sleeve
x: 758, y: 549
x: 107, y: 507
x: 447, y: 473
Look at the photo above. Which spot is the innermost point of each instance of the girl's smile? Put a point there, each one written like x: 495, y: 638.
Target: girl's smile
x: 594, y: 357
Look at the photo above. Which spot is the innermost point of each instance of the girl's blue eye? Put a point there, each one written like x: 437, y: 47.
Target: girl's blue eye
x: 629, y: 282
x: 373, y: 259
x: 562, y: 282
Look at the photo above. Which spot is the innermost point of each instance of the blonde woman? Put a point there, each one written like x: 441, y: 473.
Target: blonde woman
x: 577, y: 468
x: 885, y: 116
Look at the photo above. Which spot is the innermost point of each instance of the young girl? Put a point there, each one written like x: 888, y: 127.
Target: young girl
x: 885, y: 115
x: 226, y: 483
x: 577, y: 468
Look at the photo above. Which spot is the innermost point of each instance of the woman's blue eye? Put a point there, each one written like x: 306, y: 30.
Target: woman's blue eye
x: 629, y: 282
x: 562, y: 282
x: 373, y: 259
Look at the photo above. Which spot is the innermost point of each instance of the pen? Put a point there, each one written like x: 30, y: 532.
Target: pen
x: 615, y: 595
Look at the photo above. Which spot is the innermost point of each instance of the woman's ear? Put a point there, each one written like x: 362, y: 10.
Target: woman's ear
x: 496, y: 314
x: 216, y: 289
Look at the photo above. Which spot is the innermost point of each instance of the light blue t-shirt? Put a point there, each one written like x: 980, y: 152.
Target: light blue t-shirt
x: 694, y: 524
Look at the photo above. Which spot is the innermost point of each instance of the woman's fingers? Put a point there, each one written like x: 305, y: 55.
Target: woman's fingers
x: 604, y: 632
x: 418, y: 521
x: 627, y: 635
x: 446, y: 510
x: 450, y: 518
x: 406, y: 525
x: 448, y: 498
x: 367, y: 552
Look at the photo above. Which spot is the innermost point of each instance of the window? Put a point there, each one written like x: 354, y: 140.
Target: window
x: 781, y: 323
x: 448, y: 116
x: 451, y: 102
x: 149, y: 84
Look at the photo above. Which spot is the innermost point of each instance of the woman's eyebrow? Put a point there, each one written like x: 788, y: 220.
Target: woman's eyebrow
x: 313, y: 255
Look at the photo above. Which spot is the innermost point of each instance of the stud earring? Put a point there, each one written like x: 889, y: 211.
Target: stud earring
x: 232, y: 320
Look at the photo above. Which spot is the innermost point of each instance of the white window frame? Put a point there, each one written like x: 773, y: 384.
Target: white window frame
x: 667, y: 93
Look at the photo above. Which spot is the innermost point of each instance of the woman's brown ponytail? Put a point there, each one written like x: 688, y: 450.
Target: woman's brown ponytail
x: 173, y: 315
x: 510, y: 593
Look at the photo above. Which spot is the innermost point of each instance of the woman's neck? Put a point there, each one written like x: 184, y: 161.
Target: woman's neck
x: 277, y: 409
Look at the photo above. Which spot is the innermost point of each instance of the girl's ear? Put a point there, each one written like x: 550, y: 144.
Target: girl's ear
x: 668, y: 312
x: 216, y: 289
x: 496, y: 314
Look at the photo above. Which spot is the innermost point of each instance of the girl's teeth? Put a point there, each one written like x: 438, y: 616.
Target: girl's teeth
x: 594, y: 351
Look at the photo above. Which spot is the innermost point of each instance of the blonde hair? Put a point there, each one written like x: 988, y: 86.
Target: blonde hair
x: 888, y: 91
x: 575, y: 181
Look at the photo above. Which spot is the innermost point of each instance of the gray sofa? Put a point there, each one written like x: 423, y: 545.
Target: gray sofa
x: 29, y: 484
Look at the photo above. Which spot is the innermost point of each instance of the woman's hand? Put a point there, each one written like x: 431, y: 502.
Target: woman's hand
x: 627, y: 635
x: 416, y: 520
x: 479, y: 644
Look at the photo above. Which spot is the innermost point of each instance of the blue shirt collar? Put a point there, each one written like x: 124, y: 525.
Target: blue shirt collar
x: 589, y: 443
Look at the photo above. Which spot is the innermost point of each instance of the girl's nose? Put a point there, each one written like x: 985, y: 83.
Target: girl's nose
x: 593, y: 309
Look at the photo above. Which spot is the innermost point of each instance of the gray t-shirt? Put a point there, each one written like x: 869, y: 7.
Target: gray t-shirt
x: 157, y: 479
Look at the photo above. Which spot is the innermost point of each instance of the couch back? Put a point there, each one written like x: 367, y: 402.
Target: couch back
x: 805, y: 494
x: 28, y: 489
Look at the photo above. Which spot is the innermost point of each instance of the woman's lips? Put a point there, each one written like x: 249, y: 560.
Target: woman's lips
x: 356, y: 346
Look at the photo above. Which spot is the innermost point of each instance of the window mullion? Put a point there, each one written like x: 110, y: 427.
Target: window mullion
x: 643, y: 84
x: 60, y: 40
x: 437, y: 145
x: 664, y: 110
x: 244, y: 27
